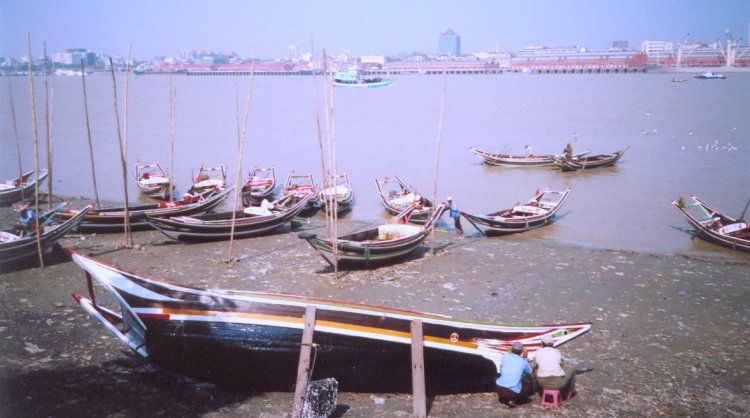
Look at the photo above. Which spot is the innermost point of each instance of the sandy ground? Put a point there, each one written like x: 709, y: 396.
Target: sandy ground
x: 669, y: 335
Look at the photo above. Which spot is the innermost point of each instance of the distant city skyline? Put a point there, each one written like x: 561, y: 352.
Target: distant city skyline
x: 267, y: 29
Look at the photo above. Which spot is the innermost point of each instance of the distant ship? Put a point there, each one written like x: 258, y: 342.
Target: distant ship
x: 709, y: 76
x: 354, y: 78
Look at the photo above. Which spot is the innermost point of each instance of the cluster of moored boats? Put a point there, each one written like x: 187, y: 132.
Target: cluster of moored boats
x: 175, y: 326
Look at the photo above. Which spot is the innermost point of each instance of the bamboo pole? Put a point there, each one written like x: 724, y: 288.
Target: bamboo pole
x: 88, y: 132
x: 241, y: 146
x: 48, y: 132
x: 128, y: 231
x: 15, y: 132
x: 332, y: 201
x: 317, y: 118
x: 171, y: 138
x: 122, y: 156
x: 437, y: 158
x: 36, y: 157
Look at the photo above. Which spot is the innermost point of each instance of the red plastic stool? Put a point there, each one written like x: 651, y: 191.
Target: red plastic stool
x: 554, y: 395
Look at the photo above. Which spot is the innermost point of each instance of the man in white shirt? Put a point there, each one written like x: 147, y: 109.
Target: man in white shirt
x: 549, y: 372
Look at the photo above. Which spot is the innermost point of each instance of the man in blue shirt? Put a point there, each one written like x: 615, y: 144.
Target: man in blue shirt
x: 511, y: 388
x: 456, y: 215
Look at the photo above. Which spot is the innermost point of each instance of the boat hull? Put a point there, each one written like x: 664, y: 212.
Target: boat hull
x: 493, y: 225
x: 215, y: 227
x: 253, y: 339
x: 590, y: 162
x: 714, y: 236
x: 25, y: 190
x: 113, y: 220
x: 418, y: 215
x: 15, y: 251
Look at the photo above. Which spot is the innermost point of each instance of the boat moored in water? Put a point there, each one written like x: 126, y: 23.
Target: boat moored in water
x: 589, y: 162
x: 714, y: 226
x: 337, y: 190
x: 355, y: 78
x: 710, y: 75
x: 400, y: 199
x: 152, y: 180
x: 540, y: 210
x: 524, y: 160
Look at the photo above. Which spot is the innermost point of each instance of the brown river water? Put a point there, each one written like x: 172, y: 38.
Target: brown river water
x: 691, y: 137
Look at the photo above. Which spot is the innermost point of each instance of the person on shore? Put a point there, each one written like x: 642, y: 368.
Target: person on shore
x: 511, y: 387
x: 528, y: 149
x: 456, y: 215
x: 549, y: 372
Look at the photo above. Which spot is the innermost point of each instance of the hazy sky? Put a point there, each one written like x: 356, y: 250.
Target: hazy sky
x: 266, y: 28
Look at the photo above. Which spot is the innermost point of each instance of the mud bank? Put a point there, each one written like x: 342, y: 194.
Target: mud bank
x: 669, y: 335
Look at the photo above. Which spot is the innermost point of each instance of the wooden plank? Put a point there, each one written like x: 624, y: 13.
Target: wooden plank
x: 417, y: 370
x: 303, y: 369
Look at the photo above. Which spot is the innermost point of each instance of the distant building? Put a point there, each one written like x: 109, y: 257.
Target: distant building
x: 373, y: 59
x: 659, y: 52
x: 72, y: 56
x: 449, y: 44
x: 621, y: 45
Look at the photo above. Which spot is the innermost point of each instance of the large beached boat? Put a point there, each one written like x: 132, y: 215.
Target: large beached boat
x: 253, y: 339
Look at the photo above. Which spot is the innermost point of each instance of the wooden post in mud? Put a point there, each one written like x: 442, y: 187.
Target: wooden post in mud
x: 88, y: 131
x: 241, y: 147
x: 437, y: 159
x: 417, y: 370
x: 303, y: 369
x: 15, y: 132
x: 126, y: 218
x: 36, y: 158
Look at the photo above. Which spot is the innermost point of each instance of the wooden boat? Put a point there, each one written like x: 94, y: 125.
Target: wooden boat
x: 714, y: 226
x: 12, y: 191
x: 113, y: 219
x: 537, y: 212
x: 337, y: 188
x: 252, y: 221
x: 299, y: 186
x: 590, y: 162
x: 152, y: 181
x: 379, y: 245
x: 355, y: 78
x: 17, y: 247
x: 511, y: 160
x: 252, y: 339
x: 260, y: 185
x: 208, y: 180
x: 398, y: 196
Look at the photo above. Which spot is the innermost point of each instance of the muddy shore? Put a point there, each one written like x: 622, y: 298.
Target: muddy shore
x: 668, y: 338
